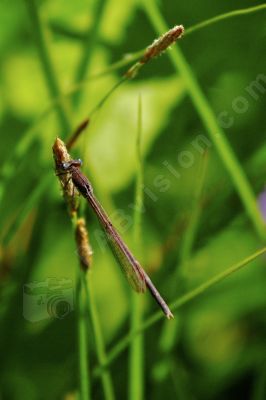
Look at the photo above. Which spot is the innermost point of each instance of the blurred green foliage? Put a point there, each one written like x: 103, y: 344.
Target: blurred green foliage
x: 215, y: 348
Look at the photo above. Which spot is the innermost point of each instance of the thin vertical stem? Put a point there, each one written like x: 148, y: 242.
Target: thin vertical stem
x: 136, y: 367
x: 60, y: 154
x: 84, y: 381
x: 208, y: 118
x: 107, y: 383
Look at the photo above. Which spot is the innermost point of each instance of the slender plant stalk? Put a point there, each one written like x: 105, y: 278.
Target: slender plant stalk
x: 85, y: 386
x: 74, y: 137
x: 107, y: 383
x: 40, y: 35
x: 221, y: 17
x: 208, y: 118
x: 61, y: 154
x: 83, y: 333
x: 85, y: 257
x: 136, y: 367
x: 85, y: 260
x: 179, y: 302
x: 106, y: 97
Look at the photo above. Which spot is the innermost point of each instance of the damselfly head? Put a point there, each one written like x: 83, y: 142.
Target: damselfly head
x: 76, y: 163
x: 72, y: 163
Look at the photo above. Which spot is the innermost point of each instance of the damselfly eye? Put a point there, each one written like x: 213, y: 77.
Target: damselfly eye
x: 65, y: 165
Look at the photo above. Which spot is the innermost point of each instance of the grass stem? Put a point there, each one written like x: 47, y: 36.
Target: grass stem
x: 84, y: 380
x: 136, y: 367
x: 222, y: 17
x: 107, y: 383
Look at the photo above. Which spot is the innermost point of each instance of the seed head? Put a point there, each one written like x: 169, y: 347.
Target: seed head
x: 61, y: 155
x: 162, y: 43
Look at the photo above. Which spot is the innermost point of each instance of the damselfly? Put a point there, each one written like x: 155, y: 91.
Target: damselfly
x: 134, y: 273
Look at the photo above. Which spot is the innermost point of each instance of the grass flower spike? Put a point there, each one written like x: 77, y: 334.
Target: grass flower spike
x: 156, y: 49
x: 162, y: 43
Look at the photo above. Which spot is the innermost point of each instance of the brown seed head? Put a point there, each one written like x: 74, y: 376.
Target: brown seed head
x: 61, y: 155
x: 162, y: 43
